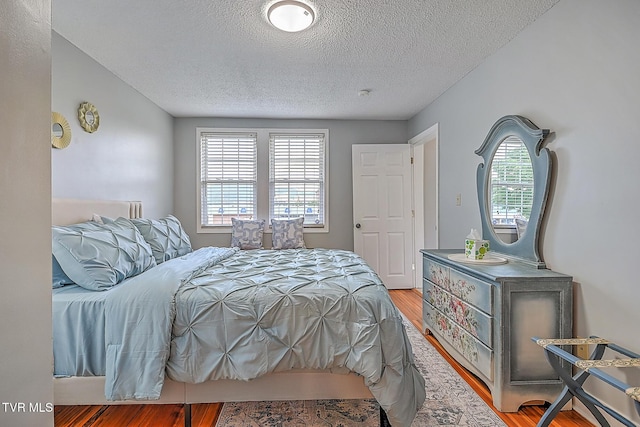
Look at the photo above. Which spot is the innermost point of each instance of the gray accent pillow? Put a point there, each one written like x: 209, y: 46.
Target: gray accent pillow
x: 247, y: 233
x: 166, y: 237
x: 287, y: 233
x: 99, y: 256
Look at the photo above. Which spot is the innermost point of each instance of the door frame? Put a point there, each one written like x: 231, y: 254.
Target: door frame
x: 425, y: 152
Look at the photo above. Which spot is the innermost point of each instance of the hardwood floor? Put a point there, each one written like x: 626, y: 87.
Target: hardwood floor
x: 408, y: 301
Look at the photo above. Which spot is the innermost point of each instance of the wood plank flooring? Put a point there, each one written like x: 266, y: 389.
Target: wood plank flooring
x: 408, y: 301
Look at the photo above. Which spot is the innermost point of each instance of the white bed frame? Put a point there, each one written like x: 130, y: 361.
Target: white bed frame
x: 289, y: 385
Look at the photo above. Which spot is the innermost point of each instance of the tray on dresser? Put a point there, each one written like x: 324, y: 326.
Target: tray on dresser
x: 487, y: 260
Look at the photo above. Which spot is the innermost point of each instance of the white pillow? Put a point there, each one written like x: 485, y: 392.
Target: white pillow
x: 287, y: 233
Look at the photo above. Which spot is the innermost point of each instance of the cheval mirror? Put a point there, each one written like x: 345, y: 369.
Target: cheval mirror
x: 513, y: 186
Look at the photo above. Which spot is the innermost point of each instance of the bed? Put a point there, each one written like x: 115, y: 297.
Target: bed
x: 180, y: 331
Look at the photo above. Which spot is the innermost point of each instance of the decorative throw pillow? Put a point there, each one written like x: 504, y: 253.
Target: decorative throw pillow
x: 166, y: 237
x: 98, y: 256
x: 247, y: 233
x: 521, y: 226
x: 287, y: 233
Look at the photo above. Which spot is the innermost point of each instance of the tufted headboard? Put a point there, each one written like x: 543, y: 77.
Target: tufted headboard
x: 72, y: 211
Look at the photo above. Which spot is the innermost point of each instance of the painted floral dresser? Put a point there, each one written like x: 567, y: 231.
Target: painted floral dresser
x: 485, y: 316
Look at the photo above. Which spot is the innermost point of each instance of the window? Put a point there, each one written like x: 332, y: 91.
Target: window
x: 228, y: 177
x: 261, y: 174
x: 297, y: 177
x: 511, y: 183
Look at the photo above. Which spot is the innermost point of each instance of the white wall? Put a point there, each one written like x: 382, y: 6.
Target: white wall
x: 342, y: 134
x: 576, y: 71
x: 26, y: 356
x: 130, y: 156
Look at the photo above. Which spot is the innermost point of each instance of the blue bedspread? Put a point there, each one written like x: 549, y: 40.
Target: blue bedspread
x: 219, y: 313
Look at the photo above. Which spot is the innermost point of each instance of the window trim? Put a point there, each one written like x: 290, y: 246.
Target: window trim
x: 263, y: 197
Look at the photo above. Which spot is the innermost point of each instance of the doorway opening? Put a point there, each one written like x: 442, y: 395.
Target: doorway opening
x: 424, y: 196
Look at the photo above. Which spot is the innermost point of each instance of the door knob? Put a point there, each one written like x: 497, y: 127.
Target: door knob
x: 358, y: 225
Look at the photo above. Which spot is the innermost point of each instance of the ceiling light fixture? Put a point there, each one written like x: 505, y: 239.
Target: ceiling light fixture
x: 290, y: 16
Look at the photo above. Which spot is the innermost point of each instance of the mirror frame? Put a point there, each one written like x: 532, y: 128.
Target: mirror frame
x: 88, y: 126
x: 525, y: 248
x: 63, y: 141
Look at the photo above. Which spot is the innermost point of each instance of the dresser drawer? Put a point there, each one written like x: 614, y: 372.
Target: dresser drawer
x: 476, y: 353
x: 474, y: 321
x: 435, y: 272
x: 472, y: 290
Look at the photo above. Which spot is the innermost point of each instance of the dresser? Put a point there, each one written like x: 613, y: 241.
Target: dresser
x: 485, y: 315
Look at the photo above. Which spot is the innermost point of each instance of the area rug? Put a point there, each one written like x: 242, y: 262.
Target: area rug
x: 450, y: 402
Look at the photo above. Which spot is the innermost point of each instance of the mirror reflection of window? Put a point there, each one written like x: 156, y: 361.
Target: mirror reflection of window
x: 511, y: 183
x: 57, y: 130
x: 89, y: 118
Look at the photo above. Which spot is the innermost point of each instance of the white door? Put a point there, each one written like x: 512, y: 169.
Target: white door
x: 382, y: 215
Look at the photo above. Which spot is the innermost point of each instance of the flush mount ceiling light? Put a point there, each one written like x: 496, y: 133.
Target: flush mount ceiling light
x: 290, y: 16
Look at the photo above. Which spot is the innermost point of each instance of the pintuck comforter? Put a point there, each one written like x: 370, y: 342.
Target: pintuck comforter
x: 220, y: 313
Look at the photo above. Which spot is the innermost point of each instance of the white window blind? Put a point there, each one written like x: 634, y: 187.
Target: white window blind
x: 228, y: 177
x: 297, y: 177
x: 511, y: 183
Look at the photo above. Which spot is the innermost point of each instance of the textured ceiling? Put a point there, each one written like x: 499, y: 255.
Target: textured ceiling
x: 221, y: 58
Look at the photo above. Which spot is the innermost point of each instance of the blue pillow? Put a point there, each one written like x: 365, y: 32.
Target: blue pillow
x: 165, y: 236
x: 59, y: 277
x: 98, y: 256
